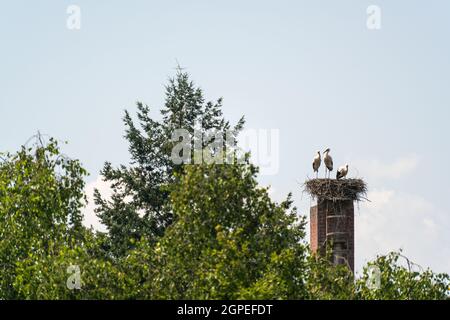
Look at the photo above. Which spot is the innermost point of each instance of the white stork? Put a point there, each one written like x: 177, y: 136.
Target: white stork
x: 316, y: 163
x: 342, y: 172
x: 328, y: 160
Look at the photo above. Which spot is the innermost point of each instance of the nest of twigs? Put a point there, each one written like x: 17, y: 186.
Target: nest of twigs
x: 336, y: 190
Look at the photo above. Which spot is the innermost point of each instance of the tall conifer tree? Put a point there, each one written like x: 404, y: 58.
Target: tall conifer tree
x: 138, y: 207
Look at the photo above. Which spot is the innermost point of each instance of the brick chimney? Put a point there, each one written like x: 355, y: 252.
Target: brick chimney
x: 332, y: 223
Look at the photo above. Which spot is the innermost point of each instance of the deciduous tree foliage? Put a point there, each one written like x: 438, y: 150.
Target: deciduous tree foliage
x: 229, y: 239
x: 138, y: 206
x: 400, y: 282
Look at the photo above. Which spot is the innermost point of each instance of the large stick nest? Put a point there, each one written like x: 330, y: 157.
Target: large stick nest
x: 336, y: 190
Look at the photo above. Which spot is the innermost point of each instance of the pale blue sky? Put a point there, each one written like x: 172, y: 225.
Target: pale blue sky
x: 312, y: 69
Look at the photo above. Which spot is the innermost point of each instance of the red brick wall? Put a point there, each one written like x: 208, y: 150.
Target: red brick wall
x: 333, y: 223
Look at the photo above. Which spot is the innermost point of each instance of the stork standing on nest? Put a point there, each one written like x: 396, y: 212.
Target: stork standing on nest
x: 316, y: 163
x: 328, y: 160
x: 342, y: 172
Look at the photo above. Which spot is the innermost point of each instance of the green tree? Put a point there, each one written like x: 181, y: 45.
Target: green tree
x: 229, y: 240
x: 387, y: 279
x: 49, y: 276
x: 175, y: 231
x: 138, y: 207
x: 41, y: 194
x: 325, y: 281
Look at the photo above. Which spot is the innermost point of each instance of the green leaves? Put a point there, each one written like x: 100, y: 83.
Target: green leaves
x: 41, y: 194
x: 46, y: 276
x: 400, y: 279
x: 144, y: 186
x: 204, y: 231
